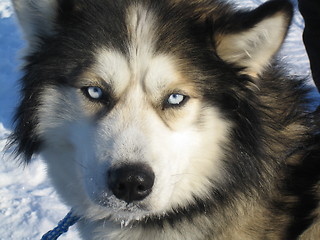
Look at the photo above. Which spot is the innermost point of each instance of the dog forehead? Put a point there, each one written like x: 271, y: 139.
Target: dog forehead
x: 141, y: 23
x: 141, y: 64
x: 156, y: 74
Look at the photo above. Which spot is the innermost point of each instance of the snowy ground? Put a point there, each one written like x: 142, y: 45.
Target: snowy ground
x: 29, y: 206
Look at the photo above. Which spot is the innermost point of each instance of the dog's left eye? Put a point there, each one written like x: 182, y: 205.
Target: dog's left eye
x: 176, y: 99
x: 95, y: 93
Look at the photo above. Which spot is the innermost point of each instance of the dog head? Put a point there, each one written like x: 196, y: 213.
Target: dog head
x: 133, y: 103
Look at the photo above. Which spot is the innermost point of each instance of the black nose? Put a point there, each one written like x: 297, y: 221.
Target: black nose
x: 131, y: 182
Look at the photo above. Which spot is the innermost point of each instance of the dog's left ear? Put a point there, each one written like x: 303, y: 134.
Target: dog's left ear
x: 250, y: 39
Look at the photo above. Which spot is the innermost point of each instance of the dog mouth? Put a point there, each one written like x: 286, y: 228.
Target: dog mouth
x: 121, y: 211
x: 112, y: 202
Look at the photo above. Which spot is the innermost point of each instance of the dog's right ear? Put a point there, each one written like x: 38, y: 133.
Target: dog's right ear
x: 38, y: 18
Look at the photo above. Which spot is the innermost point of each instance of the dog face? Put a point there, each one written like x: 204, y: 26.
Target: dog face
x: 130, y: 100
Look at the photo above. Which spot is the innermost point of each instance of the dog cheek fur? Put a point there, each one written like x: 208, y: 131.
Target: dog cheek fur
x: 64, y: 146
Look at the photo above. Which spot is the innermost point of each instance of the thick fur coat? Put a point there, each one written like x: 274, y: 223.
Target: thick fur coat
x: 169, y: 119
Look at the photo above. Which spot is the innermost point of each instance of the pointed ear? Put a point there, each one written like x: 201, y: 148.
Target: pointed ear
x: 250, y: 39
x: 37, y: 18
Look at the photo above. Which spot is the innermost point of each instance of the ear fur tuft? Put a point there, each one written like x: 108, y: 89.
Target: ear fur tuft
x: 256, y: 38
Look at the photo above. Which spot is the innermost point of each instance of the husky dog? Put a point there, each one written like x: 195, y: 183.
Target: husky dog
x: 169, y: 119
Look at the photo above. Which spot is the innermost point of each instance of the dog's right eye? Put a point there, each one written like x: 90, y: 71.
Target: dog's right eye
x: 93, y: 92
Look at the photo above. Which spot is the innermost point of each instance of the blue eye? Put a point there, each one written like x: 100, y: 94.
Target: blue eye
x: 94, y: 92
x: 176, y: 99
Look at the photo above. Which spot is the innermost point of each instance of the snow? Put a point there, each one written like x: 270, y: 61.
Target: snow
x: 29, y: 206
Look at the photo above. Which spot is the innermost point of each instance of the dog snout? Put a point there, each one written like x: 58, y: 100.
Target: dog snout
x: 132, y: 182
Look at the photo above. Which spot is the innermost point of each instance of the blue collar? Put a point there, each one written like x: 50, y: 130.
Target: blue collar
x: 62, y: 227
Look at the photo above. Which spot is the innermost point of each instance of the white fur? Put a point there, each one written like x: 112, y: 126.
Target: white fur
x: 141, y: 25
x: 113, y: 68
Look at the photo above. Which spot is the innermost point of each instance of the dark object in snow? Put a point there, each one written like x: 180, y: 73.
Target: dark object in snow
x: 310, y: 10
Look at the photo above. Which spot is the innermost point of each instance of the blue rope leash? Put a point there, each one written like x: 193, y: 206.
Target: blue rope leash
x: 62, y: 227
